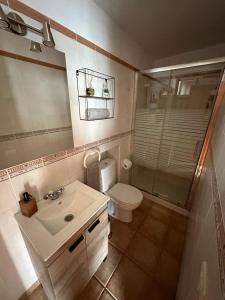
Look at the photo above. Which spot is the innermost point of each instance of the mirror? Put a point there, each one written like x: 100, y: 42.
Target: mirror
x: 35, y: 118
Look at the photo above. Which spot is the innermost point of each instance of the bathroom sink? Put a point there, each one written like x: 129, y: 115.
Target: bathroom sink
x: 57, y: 221
x: 56, y: 214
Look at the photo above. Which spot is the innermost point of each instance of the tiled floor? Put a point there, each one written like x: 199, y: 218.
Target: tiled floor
x: 144, y: 258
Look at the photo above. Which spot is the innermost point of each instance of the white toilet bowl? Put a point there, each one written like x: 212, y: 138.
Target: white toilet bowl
x: 124, y: 199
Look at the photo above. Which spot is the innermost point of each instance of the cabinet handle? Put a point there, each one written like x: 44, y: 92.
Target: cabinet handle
x: 76, y: 243
x: 92, y: 227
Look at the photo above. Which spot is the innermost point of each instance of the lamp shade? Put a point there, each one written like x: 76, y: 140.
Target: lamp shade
x: 47, y: 35
x: 3, y: 19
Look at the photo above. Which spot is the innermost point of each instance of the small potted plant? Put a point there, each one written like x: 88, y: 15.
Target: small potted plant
x: 90, y: 91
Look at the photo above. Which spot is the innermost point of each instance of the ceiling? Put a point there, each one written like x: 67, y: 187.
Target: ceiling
x: 168, y: 27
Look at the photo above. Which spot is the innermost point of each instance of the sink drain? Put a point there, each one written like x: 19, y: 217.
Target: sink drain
x: 69, y: 218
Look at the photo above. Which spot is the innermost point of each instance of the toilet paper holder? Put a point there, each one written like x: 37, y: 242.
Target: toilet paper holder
x: 126, y: 164
x: 89, y: 153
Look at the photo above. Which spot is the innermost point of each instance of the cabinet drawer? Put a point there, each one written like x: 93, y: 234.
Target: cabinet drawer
x: 65, y: 266
x: 96, y: 227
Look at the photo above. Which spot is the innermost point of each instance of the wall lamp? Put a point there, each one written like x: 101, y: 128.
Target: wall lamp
x: 16, y: 24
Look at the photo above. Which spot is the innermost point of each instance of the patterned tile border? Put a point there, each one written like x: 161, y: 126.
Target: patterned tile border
x: 220, y: 231
x: 25, y: 167
x: 22, y: 135
x: 4, y: 175
x: 54, y: 157
x: 49, y: 159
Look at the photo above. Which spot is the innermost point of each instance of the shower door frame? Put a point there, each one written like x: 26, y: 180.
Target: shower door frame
x: 212, y: 121
x: 208, y: 137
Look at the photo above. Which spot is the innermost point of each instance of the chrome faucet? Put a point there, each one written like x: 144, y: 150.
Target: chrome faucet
x: 54, y: 195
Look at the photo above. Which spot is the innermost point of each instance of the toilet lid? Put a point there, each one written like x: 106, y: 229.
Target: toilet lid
x: 125, y: 193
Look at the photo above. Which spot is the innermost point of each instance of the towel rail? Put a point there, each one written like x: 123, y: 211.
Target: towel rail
x: 89, y: 153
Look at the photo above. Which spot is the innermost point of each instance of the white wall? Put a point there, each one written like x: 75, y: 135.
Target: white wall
x: 16, y: 269
x: 192, y: 56
x: 90, y: 21
x: 205, y: 238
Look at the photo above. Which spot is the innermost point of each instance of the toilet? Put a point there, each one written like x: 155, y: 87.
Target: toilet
x: 124, y: 198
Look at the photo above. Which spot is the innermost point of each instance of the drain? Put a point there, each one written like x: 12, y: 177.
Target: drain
x: 69, y: 218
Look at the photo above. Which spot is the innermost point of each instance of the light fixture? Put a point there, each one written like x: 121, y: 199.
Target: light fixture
x: 4, y: 23
x: 18, y: 26
x: 47, y: 35
x: 35, y: 47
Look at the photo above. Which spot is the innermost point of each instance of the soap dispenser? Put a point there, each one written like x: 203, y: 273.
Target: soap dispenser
x: 28, y: 205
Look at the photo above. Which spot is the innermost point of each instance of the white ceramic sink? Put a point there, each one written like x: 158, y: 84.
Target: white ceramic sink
x: 47, y: 230
x: 58, y: 213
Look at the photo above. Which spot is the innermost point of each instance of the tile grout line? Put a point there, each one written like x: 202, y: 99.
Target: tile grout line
x: 111, y: 294
x: 124, y: 254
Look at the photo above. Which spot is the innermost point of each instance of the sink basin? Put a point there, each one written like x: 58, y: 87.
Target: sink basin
x: 58, y: 213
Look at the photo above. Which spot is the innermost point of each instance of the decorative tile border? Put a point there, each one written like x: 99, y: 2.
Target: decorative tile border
x: 22, y: 135
x: 25, y: 167
x: 54, y: 157
x: 220, y: 230
x: 4, y: 175
x: 50, y: 159
x: 31, y: 60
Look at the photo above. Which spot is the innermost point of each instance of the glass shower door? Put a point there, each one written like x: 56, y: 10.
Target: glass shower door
x: 172, y: 116
x: 149, y: 121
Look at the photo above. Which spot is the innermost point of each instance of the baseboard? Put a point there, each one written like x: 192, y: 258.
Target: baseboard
x: 28, y: 292
x: 169, y: 205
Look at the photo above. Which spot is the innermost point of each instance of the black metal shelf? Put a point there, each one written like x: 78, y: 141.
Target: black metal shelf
x: 95, y: 97
x: 94, y: 102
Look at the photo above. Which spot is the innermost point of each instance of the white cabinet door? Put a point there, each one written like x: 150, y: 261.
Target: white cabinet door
x: 97, y: 242
x: 69, y: 272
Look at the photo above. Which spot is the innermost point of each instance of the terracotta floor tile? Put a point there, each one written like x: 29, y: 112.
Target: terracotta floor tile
x: 145, y: 253
x: 129, y: 282
x: 38, y: 294
x: 139, y: 216
x: 179, y: 222
x: 106, y: 296
x: 174, y: 243
x: 168, y: 271
x: 146, y: 204
x: 106, y: 269
x: 121, y: 234
x: 154, y: 230
x: 92, y: 291
x: 161, y: 213
x: 159, y: 292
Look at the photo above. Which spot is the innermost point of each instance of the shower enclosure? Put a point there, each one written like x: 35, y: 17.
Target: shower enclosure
x: 173, y: 110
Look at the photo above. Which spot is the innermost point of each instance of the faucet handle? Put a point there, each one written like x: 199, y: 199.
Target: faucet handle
x: 46, y: 196
x: 60, y: 190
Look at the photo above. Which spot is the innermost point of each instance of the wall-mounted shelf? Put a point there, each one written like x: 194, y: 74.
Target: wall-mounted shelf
x: 96, y: 95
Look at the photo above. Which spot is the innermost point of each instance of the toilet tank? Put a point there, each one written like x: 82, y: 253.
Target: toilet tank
x: 108, y: 174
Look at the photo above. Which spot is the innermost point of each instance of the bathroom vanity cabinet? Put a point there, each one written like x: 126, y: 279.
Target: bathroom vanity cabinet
x: 67, y: 272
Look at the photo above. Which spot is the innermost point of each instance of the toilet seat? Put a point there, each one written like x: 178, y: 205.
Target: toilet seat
x: 126, y: 195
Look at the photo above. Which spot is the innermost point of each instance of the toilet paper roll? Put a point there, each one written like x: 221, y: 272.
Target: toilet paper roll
x: 126, y: 164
